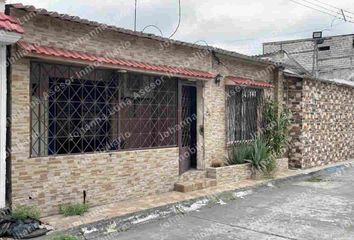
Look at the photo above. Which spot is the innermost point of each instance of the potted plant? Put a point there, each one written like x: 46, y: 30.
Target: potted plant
x: 234, y: 168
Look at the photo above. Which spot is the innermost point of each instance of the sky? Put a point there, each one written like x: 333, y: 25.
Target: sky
x: 236, y: 25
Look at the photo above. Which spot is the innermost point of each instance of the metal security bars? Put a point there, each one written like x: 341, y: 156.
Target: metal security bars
x: 83, y: 109
x: 244, y: 107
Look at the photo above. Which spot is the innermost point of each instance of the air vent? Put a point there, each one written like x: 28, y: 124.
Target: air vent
x: 326, y: 48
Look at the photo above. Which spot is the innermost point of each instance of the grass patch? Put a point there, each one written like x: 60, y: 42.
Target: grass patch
x: 315, y: 179
x: 26, y: 212
x: 73, y: 209
x: 64, y: 237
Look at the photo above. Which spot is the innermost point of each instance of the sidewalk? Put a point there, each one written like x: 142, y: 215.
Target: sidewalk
x: 136, y: 207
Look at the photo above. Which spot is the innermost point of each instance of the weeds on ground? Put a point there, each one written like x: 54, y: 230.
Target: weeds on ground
x: 73, y: 209
x: 64, y: 237
x: 26, y: 212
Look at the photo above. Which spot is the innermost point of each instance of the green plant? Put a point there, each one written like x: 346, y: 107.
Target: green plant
x: 73, y: 209
x: 26, y: 212
x: 64, y: 237
x: 261, y: 158
x: 276, y: 128
x: 270, y: 167
x: 238, y: 154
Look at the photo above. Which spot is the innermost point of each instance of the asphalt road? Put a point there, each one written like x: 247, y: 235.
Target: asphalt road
x: 320, y: 208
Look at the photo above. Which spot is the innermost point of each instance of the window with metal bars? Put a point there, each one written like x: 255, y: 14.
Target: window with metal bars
x: 81, y: 110
x: 244, y: 108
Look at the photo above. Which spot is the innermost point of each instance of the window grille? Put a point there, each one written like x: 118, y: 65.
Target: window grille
x: 82, y: 110
x: 244, y: 107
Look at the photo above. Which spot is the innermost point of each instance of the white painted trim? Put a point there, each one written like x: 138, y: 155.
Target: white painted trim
x: 8, y: 38
x: 3, y: 96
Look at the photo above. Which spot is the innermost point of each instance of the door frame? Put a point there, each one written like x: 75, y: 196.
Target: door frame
x: 181, y: 84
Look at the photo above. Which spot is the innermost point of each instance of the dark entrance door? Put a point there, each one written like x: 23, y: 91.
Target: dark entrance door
x: 188, y: 122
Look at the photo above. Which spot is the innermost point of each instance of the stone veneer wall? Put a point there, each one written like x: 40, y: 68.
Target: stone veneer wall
x: 49, y: 181
x: 328, y: 123
x: 323, y: 129
x: 230, y: 174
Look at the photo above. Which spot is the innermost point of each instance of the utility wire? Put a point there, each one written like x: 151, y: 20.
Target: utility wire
x: 154, y: 26
x: 179, y: 19
x: 329, y: 5
x: 319, y: 10
x: 337, y: 12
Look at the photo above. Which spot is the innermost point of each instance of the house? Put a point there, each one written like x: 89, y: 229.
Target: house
x: 327, y: 58
x: 322, y: 131
x: 98, y: 113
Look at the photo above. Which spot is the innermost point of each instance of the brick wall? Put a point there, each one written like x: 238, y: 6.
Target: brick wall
x: 293, y: 91
x: 328, y: 123
x: 322, y: 132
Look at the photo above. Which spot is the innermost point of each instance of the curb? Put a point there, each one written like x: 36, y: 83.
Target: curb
x: 119, y: 224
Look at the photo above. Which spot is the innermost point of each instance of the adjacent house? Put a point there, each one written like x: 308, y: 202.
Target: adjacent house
x: 327, y: 57
x: 98, y: 113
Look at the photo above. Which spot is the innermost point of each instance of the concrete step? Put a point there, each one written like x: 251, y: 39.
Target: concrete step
x: 190, y: 186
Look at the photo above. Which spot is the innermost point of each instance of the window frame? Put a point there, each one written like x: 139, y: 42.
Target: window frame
x: 81, y: 67
x: 238, y: 89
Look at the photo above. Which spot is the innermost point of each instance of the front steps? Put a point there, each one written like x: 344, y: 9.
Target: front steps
x: 194, y: 180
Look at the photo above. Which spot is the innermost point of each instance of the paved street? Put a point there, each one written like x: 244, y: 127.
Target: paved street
x: 319, y: 208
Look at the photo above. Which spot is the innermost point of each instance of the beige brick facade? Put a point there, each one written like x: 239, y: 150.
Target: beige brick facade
x: 108, y: 177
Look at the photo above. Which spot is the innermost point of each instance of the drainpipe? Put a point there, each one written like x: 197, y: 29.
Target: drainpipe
x: 6, y: 38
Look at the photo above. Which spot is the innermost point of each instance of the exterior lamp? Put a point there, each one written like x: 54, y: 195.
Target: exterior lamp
x: 218, y: 79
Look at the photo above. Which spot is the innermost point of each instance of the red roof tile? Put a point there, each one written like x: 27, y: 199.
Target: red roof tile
x: 10, y: 24
x: 63, y: 53
x: 248, y: 82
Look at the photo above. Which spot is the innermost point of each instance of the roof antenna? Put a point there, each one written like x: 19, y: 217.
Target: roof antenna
x: 136, y: 3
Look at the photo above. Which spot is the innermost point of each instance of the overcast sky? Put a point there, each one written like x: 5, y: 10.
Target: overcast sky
x: 238, y: 25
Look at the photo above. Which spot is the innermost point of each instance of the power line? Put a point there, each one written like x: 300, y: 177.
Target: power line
x: 179, y: 19
x: 337, y: 12
x: 329, y: 5
x: 154, y: 26
x: 319, y: 10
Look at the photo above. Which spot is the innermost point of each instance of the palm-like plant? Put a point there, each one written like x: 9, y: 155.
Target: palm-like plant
x: 261, y: 157
x: 238, y: 154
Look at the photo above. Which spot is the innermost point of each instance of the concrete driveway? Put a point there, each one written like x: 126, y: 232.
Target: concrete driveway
x: 318, y: 208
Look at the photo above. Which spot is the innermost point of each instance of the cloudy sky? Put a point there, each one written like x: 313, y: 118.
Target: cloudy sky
x: 238, y: 25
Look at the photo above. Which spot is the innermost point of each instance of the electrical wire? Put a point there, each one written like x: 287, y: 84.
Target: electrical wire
x: 329, y: 5
x: 316, y: 9
x: 337, y: 12
x: 179, y: 19
x: 154, y: 26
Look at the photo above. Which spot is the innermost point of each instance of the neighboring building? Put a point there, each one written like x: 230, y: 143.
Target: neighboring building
x: 322, y: 131
x: 103, y: 114
x: 331, y: 58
